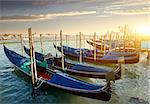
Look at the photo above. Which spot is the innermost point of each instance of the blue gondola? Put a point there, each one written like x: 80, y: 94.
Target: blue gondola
x: 108, y: 59
x: 77, y: 69
x: 59, y: 80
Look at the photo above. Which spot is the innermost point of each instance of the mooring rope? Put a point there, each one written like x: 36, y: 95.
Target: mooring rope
x: 39, y: 83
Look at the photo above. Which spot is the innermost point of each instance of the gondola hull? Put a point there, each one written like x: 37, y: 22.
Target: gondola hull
x: 103, y: 95
x: 108, y: 59
x: 100, y: 75
x: 92, y: 73
x: 78, y: 87
x: 100, y: 54
x: 121, y: 49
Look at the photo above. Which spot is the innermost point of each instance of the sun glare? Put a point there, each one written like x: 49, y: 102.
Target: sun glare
x: 144, y: 29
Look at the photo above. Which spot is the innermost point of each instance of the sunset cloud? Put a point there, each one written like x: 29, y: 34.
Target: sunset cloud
x: 128, y: 7
x: 130, y: 12
x: 71, y: 15
x: 38, y: 17
x: 103, y: 16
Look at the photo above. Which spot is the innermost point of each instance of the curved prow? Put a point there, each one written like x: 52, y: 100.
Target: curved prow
x: 38, y: 55
x: 110, y: 76
x: 27, y: 51
x: 14, y: 57
x: 54, y: 45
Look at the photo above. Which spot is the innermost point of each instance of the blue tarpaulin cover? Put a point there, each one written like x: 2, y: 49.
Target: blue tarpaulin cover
x: 57, y: 78
x: 63, y: 80
x: 80, y: 67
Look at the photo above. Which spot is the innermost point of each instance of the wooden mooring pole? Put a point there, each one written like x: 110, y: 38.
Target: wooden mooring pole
x: 94, y: 46
x: 148, y: 54
x: 22, y: 48
x: 32, y: 60
x: 124, y: 37
x: 56, y: 44
x: 84, y: 39
x: 89, y: 44
x: 77, y: 41
x: 110, y: 42
x: 104, y: 45
x: 80, y: 59
x: 66, y: 36
x: 41, y: 43
x: 62, y: 50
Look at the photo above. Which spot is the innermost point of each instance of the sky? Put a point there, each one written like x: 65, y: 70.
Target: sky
x: 72, y: 16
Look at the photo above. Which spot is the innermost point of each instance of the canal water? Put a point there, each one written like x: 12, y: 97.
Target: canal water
x: 132, y: 88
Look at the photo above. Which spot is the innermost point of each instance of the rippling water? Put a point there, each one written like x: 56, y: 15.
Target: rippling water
x: 133, y: 88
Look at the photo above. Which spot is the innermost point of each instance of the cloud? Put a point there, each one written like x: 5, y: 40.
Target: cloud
x: 44, y: 16
x: 103, y: 16
x: 39, y: 3
x: 130, y: 11
x: 127, y: 3
x: 128, y: 7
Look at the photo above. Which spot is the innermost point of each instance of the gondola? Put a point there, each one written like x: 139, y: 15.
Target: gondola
x: 88, y: 52
x: 100, y: 46
x: 59, y: 80
x: 77, y: 69
x: 125, y: 54
x: 107, y: 59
